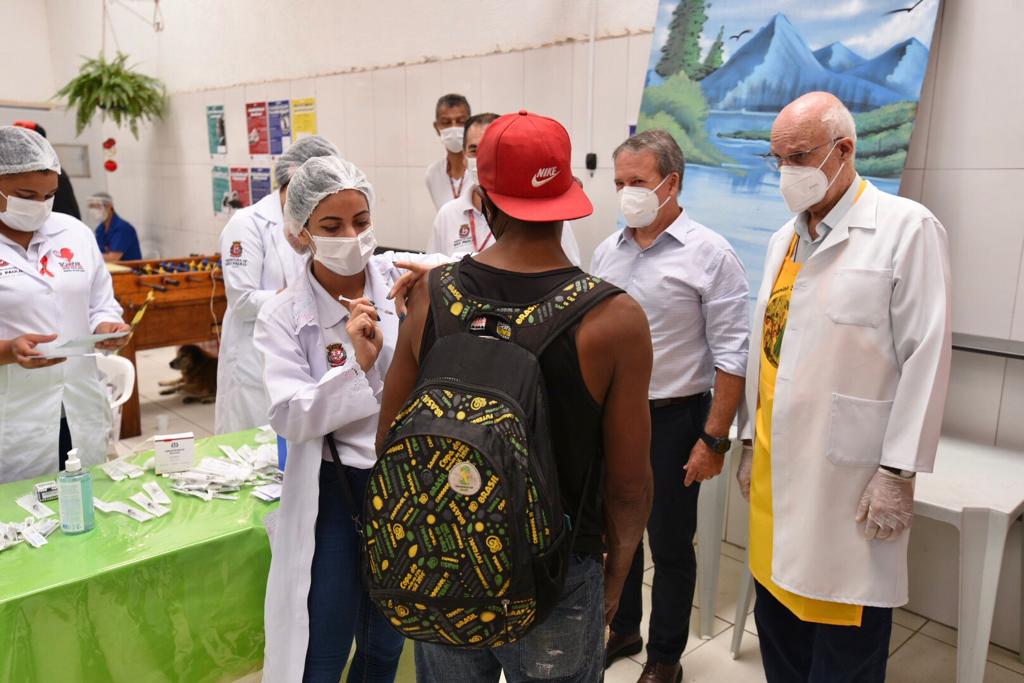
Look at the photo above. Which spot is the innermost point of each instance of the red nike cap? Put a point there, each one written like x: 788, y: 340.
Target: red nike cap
x: 524, y: 163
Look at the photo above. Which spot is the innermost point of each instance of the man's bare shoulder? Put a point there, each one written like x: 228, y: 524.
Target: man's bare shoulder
x: 618, y: 318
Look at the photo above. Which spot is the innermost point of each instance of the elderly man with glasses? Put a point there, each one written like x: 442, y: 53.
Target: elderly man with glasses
x: 848, y: 369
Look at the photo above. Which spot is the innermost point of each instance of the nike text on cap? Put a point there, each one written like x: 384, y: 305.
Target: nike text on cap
x: 524, y: 162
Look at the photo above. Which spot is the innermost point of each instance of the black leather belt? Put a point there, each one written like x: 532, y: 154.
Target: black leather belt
x: 666, y: 402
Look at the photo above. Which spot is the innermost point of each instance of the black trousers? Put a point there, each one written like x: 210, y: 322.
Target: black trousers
x: 670, y: 530
x: 795, y: 651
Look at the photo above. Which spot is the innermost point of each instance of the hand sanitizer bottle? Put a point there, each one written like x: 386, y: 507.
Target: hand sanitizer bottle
x: 74, y: 493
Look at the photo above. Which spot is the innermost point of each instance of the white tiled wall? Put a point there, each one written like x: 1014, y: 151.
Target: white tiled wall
x: 381, y: 120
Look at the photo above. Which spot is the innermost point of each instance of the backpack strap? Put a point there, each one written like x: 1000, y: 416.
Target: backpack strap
x: 444, y: 294
x: 577, y: 298
x: 532, y: 327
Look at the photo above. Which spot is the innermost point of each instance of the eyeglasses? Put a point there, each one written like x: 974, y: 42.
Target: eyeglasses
x: 775, y: 161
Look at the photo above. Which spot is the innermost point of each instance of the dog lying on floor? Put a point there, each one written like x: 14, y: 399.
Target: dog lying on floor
x: 198, y: 382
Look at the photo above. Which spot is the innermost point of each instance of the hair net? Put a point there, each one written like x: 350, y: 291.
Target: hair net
x: 316, y: 179
x: 298, y: 154
x: 101, y: 197
x: 23, y: 150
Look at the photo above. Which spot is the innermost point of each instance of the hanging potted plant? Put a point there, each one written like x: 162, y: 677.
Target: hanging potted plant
x: 124, y: 95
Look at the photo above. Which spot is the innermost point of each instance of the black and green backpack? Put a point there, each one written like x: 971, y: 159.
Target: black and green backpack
x: 467, y: 543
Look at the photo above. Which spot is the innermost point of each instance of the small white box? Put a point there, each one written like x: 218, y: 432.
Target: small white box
x: 174, y: 452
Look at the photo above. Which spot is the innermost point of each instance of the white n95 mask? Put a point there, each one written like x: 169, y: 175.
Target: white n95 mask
x: 639, y: 205
x: 345, y: 255
x: 471, y: 176
x: 451, y: 138
x: 25, y: 215
x: 802, y: 186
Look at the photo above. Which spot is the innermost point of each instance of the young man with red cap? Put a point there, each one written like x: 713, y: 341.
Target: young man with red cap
x: 596, y: 374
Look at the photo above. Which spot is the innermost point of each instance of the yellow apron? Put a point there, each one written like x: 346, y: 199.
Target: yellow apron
x: 775, y: 317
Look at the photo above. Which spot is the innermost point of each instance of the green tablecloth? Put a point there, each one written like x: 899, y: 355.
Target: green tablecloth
x: 177, y: 598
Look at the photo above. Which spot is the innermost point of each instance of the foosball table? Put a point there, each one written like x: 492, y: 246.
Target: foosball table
x: 181, y: 301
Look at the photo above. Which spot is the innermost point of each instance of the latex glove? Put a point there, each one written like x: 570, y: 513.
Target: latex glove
x: 886, y: 506
x: 745, y: 471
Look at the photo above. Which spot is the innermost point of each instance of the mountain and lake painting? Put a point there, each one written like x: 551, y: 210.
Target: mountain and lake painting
x: 721, y: 71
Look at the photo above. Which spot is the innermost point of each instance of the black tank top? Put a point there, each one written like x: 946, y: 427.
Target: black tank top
x: 576, y: 419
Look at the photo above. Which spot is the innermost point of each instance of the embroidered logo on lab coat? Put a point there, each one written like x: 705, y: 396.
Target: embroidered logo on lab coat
x: 336, y: 355
x: 236, y: 249
x: 464, y: 230
x: 67, y: 261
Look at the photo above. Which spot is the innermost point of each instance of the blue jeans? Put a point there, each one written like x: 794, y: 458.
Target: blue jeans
x: 339, y: 608
x: 567, y: 646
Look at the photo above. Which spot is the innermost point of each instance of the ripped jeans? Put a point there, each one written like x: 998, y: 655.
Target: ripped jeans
x: 568, y: 646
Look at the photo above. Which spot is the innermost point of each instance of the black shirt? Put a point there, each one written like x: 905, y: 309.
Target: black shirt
x: 576, y: 419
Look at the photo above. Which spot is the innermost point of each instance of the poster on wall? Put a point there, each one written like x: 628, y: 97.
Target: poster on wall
x: 280, y: 124
x: 719, y: 73
x: 256, y: 127
x: 259, y: 183
x: 304, y: 117
x: 215, y: 131
x: 221, y: 189
x: 239, y: 195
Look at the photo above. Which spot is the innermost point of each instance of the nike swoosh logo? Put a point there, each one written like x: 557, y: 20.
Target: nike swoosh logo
x: 538, y: 183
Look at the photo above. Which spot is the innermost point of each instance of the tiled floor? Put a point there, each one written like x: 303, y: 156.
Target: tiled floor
x: 921, y: 651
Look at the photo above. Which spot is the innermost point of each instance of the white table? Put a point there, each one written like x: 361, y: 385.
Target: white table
x: 978, y: 489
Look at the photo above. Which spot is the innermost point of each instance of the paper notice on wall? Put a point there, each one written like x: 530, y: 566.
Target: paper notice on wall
x: 256, y: 124
x: 259, y: 183
x: 221, y: 189
x: 279, y: 121
x: 215, y: 131
x: 304, y: 117
x: 239, y: 196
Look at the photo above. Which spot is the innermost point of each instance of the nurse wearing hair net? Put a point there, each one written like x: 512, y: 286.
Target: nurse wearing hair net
x: 327, y: 342
x: 257, y: 262
x: 54, y: 287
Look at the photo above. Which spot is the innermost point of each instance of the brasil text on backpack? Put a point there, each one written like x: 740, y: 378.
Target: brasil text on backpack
x: 466, y: 541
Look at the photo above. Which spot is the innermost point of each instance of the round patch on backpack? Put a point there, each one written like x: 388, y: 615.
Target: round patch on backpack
x: 464, y: 478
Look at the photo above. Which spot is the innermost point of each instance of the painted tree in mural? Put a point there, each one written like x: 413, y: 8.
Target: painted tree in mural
x: 715, y: 56
x: 681, y: 51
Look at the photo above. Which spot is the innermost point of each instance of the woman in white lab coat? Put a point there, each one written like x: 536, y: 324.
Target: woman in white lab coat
x: 324, y: 367
x: 257, y: 263
x: 54, y: 287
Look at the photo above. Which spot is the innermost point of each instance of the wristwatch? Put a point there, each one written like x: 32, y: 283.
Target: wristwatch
x: 720, y: 445
x: 902, y: 474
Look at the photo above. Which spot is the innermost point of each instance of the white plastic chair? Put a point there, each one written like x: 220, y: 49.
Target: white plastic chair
x: 710, y: 530
x: 118, y: 374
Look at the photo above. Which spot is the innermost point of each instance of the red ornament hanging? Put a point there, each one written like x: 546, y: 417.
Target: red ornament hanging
x: 110, y: 165
x: 109, y: 143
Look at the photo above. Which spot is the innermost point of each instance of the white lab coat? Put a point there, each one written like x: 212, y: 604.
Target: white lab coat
x: 256, y: 261
x: 69, y: 295
x: 862, y: 380
x: 308, y: 400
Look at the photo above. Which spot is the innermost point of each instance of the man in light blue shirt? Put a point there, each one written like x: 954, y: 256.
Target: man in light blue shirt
x: 693, y: 288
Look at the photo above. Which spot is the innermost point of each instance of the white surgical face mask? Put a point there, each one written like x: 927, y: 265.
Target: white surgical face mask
x: 640, y: 205
x: 802, y: 186
x: 344, y: 255
x: 451, y: 138
x: 97, y: 214
x: 26, y: 215
x: 471, y: 176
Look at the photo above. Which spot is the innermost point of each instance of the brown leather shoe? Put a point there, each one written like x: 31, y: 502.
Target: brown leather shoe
x: 619, y: 646
x: 656, y: 672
